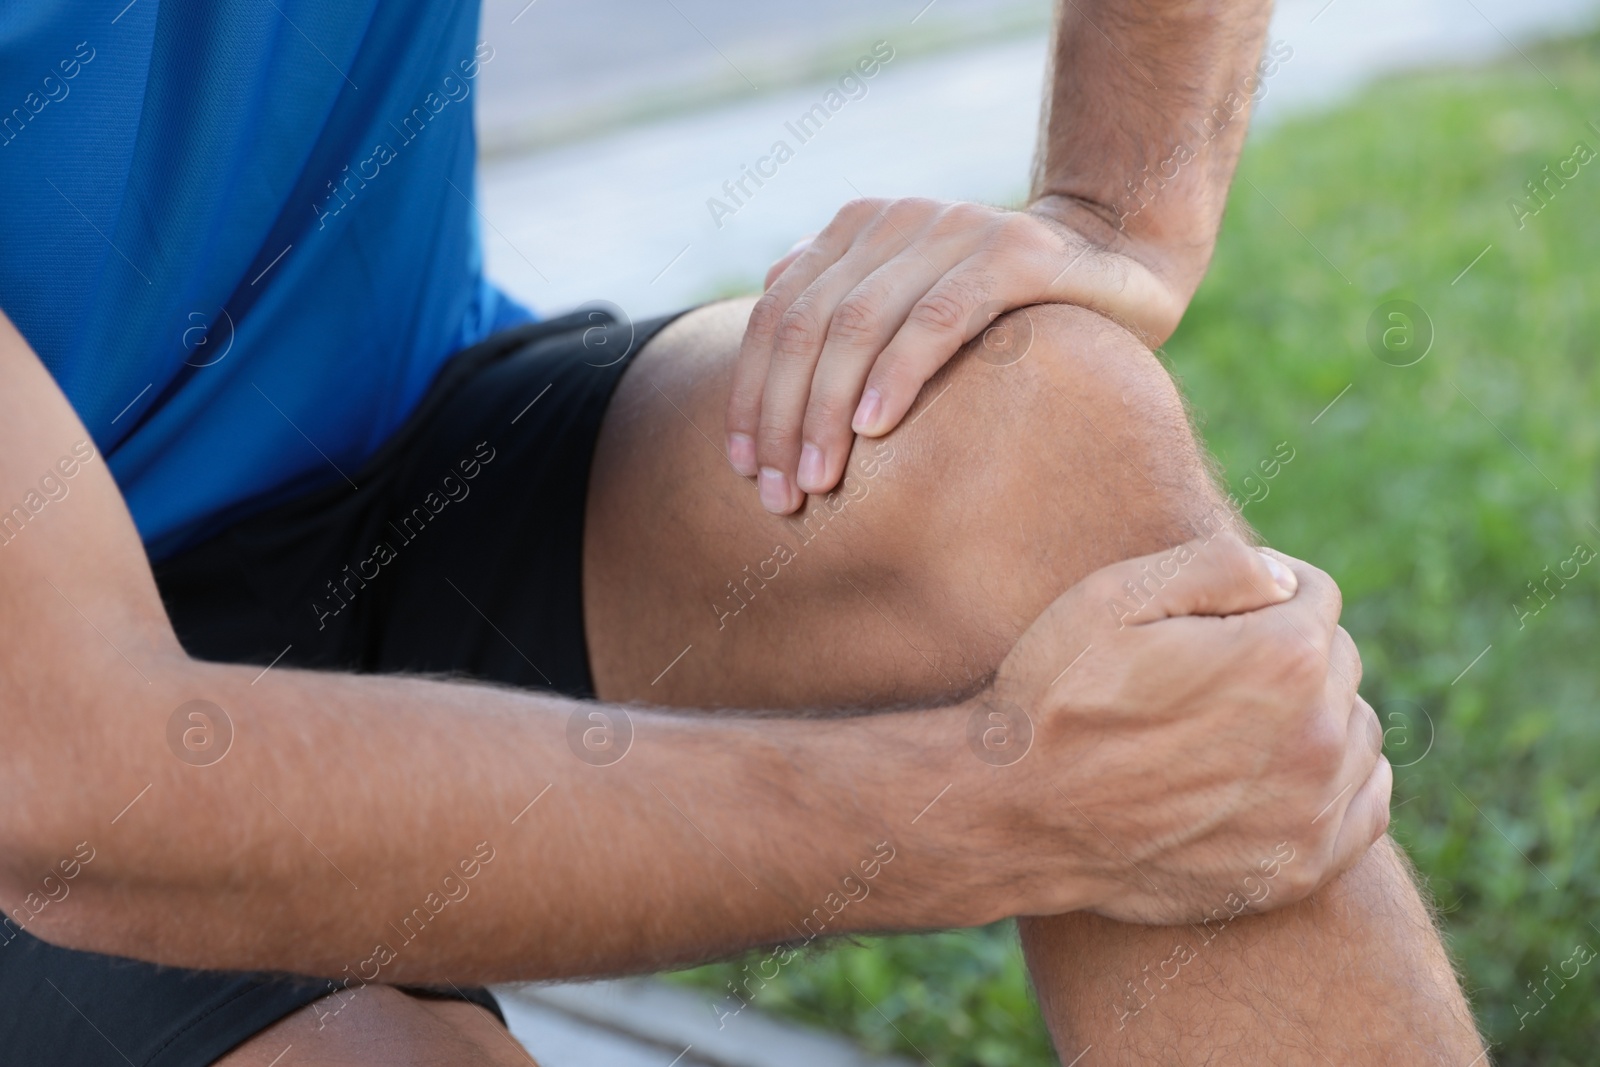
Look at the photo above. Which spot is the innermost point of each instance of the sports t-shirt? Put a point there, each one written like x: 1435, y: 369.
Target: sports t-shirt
x: 241, y: 234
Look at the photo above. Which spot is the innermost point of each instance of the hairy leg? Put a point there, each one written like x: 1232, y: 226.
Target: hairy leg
x: 1055, y: 446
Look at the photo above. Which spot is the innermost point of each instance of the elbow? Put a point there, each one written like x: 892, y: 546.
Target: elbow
x: 42, y: 898
x: 83, y: 746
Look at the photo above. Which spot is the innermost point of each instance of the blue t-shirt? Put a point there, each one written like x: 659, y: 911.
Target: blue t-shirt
x: 241, y: 234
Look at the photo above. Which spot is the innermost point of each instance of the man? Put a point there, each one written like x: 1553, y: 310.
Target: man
x: 989, y: 644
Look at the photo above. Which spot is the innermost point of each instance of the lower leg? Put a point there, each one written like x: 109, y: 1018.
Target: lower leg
x: 1008, y: 482
x: 1354, y: 974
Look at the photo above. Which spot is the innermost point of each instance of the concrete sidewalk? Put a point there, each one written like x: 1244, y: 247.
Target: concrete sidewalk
x: 642, y: 1022
x: 624, y: 217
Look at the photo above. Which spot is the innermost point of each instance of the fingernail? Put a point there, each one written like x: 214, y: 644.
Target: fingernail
x: 742, y: 453
x: 811, y: 473
x: 1281, y: 574
x: 867, y: 413
x: 774, y: 490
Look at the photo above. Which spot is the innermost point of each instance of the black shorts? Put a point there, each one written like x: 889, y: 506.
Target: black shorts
x: 458, y: 550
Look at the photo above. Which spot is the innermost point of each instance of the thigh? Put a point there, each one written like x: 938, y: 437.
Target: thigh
x: 1053, y: 445
x: 382, y: 1027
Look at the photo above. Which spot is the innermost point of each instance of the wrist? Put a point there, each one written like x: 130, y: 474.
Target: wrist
x: 1020, y: 836
x: 1145, y: 290
x: 974, y: 824
x: 910, y: 790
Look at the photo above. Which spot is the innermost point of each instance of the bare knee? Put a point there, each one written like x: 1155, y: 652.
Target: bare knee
x: 1054, y: 444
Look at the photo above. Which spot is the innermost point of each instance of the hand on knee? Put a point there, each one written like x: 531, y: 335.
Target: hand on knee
x: 1201, y: 748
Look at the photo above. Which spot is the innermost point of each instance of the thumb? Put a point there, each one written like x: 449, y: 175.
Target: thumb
x: 1219, y: 575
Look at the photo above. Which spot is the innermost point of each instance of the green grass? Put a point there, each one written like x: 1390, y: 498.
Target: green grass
x: 1432, y: 493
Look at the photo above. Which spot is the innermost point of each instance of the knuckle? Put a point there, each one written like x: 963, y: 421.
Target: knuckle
x: 961, y: 217
x: 1335, y: 595
x: 1301, y: 666
x: 825, y: 416
x: 1373, y: 725
x: 1020, y: 228
x: 941, y: 310
x: 913, y: 207
x: 1345, y: 648
x: 778, y: 443
x: 1301, y: 879
x: 855, y: 211
x: 1322, y: 746
x: 854, y: 322
x: 798, y: 332
x: 765, y: 315
x: 1329, y: 589
x: 1384, y: 817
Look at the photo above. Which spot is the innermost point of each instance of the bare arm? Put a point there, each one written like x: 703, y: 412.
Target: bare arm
x: 1143, y: 121
x: 1147, y: 112
x: 413, y: 830
x: 349, y: 804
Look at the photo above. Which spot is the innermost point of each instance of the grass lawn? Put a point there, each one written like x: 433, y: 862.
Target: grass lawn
x: 1434, y: 493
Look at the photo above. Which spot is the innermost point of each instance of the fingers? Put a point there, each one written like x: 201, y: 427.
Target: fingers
x: 807, y: 327
x: 1366, y: 818
x: 833, y: 305
x: 863, y: 323
x: 1220, y: 575
x: 802, y: 266
x: 936, y: 326
x: 1010, y: 268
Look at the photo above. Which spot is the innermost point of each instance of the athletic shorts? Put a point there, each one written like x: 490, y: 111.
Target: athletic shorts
x: 457, y: 548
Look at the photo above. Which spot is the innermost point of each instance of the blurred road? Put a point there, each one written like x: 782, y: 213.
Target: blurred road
x: 575, y: 63
x: 625, y: 216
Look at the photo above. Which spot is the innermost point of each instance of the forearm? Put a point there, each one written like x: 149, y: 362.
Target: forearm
x: 347, y: 805
x: 341, y: 817
x: 1146, y: 113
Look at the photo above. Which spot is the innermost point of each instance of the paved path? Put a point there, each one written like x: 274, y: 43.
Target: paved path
x: 645, y: 1023
x: 624, y: 217
x: 562, y: 65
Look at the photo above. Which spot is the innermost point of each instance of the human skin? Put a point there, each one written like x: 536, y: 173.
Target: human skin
x: 1011, y: 478
x: 1146, y: 112
x: 320, y: 757
x: 94, y: 674
x: 1021, y: 477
